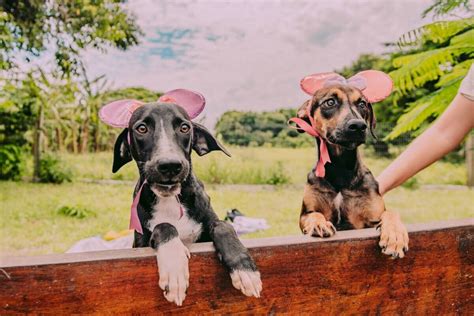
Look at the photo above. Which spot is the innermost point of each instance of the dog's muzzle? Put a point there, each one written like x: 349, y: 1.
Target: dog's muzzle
x: 165, y: 175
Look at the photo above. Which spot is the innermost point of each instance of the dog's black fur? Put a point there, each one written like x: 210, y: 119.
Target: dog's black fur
x: 169, y: 170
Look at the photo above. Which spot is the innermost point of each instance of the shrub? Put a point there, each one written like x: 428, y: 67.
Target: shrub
x: 75, y: 211
x: 277, y: 175
x: 52, y: 170
x: 12, y: 162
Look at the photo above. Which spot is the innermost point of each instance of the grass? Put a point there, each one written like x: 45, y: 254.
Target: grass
x: 255, y: 166
x: 46, y: 218
x: 31, y: 223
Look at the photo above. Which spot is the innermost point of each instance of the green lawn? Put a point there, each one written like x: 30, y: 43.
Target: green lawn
x: 31, y: 225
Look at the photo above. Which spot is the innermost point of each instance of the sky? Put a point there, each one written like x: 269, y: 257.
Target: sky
x: 250, y: 55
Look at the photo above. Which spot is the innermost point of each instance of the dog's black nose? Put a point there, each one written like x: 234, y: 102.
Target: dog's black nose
x: 169, y: 167
x: 356, y: 125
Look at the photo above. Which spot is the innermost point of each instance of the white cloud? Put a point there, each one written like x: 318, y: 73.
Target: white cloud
x: 251, y: 55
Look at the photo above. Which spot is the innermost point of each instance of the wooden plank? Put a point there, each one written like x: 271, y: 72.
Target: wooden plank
x: 301, y: 275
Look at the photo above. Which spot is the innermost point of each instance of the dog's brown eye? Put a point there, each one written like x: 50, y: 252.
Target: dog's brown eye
x: 184, y: 128
x: 330, y: 102
x: 142, y: 129
x: 362, y: 104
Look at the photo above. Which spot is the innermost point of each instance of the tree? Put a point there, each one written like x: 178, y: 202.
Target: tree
x: 29, y: 28
x: 258, y: 129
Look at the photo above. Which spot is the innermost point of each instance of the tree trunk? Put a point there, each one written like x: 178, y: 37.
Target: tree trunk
x: 37, y: 144
x: 74, y: 140
x: 59, y: 136
x: 96, y: 138
x: 85, y: 137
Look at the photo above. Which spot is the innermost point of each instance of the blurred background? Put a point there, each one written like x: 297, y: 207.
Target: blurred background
x: 61, y: 61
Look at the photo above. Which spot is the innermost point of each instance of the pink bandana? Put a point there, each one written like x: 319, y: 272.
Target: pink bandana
x: 118, y: 114
x: 375, y: 85
x: 323, y: 149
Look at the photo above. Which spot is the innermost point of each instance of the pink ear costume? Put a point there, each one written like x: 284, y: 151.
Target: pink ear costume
x: 375, y: 86
x: 118, y: 114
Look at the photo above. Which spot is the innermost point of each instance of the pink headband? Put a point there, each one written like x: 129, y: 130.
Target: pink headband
x: 375, y: 85
x: 118, y: 113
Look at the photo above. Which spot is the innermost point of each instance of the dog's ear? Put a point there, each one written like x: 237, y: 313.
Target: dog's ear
x: 372, y: 120
x: 122, y: 153
x: 204, y: 142
x: 302, y: 113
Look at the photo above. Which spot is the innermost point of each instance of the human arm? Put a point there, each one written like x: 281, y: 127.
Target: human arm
x: 442, y: 137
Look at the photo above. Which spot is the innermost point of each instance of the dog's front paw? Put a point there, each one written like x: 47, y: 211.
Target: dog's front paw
x: 173, y: 258
x: 247, y: 281
x: 393, y: 235
x: 316, y: 225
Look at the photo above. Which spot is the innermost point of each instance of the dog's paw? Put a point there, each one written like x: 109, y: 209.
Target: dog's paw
x: 316, y: 225
x: 393, y: 235
x: 248, y: 282
x: 173, y: 258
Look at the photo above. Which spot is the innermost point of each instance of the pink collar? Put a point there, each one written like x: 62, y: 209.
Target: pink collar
x: 323, y: 158
x: 134, y: 220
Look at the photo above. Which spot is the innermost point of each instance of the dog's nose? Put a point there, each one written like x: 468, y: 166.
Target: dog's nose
x: 356, y: 125
x: 169, y: 167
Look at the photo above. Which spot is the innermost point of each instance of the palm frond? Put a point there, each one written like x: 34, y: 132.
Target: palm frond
x: 417, y: 69
x: 424, y: 108
x: 459, y: 71
x: 443, y: 7
x: 437, y: 32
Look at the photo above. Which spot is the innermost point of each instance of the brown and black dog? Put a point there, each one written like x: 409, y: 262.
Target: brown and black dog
x: 347, y: 197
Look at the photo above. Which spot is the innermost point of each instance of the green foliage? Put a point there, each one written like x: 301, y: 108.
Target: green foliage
x: 12, y: 162
x: 424, y: 108
x: 417, y: 69
x: 258, y: 129
x: 52, y: 170
x: 75, y: 212
x: 138, y: 93
x: 33, y: 26
x: 278, y: 175
x: 444, y: 7
x: 441, y: 55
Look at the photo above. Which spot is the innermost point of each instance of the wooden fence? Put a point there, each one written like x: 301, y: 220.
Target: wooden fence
x: 345, y: 274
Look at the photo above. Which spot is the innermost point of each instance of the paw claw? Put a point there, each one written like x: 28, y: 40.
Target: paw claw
x: 393, y: 236
x: 248, y: 282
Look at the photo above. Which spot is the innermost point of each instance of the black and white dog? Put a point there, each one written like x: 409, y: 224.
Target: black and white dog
x: 173, y: 208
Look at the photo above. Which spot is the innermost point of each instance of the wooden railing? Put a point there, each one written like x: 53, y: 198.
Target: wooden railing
x: 345, y: 274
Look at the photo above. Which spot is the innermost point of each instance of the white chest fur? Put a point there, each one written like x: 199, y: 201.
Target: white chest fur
x: 338, y: 200
x: 167, y: 210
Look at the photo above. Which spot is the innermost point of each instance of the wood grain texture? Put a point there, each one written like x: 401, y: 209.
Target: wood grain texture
x: 342, y: 275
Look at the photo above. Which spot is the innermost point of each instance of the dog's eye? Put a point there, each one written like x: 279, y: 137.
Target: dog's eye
x: 362, y: 104
x: 142, y: 129
x: 184, y: 128
x: 330, y: 102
